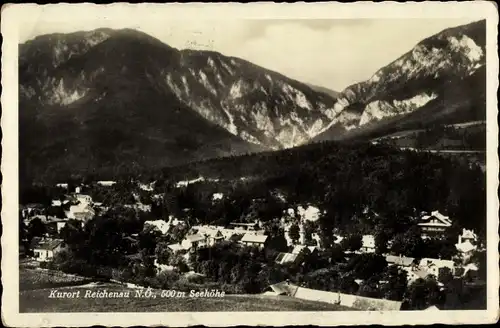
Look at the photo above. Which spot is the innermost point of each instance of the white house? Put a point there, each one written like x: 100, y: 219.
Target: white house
x: 254, y: 240
x: 434, y: 265
x: 368, y: 244
x: 58, y: 202
x: 44, y: 249
x: 467, y: 235
x: 465, y: 247
x: 161, y: 225
x: 434, y: 224
x: 310, y: 213
x: 400, y: 261
x: 217, y: 196
x: 162, y: 267
x: 194, y: 241
x: 62, y: 185
x: 84, y: 199
x: 106, y: 183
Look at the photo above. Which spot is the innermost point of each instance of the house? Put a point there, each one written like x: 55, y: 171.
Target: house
x: 368, y: 244
x: 44, y: 249
x: 434, y: 224
x: 213, y: 239
x: 433, y: 266
x: 162, y: 267
x: 217, y: 196
x: 284, y: 258
x: 84, y: 199
x: 310, y: 213
x: 400, y: 261
x: 194, y: 241
x: 83, y: 210
x: 58, y: 202
x: 106, y: 183
x: 62, y: 185
x: 297, y: 249
x: 160, y: 225
x: 466, y: 248
x: 254, y: 240
x: 467, y: 235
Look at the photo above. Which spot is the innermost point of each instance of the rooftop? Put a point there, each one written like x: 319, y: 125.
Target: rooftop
x: 195, y: 237
x: 283, y: 258
x: 45, y: 243
x: 399, y: 260
x: 251, y: 238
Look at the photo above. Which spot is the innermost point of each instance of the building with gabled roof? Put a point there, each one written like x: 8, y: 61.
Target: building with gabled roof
x: 368, y: 244
x: 250, y: 239
x: 194, y: 241
x: 434, y: 224
x: 106, y: 183
x: 44, y: 249
x: 401, y: 261
x: 433, y: 266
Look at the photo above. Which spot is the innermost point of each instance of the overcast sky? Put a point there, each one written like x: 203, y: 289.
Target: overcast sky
x: 333, y: 53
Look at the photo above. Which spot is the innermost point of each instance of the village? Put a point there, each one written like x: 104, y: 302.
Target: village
x: 299, y: 241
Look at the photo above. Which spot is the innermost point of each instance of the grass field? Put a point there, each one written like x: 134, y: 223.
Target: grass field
x: 39, y: 301
x: 30, y: 279
x: 36, y: 286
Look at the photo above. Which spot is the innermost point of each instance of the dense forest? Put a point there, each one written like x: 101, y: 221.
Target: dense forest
x: 342, y: 179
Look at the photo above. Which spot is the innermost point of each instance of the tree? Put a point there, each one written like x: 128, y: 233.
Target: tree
x: 147, y: 239
x: 408, y: 244
x: 353, y: 242
x: 294, y: 233
x: 445, y: 276
x: 162, y: 253
x: 423, y: 293
x: 364, y: 266
x: 36, y: 228
x: 381, y: 240
x: 396, y: 283
x: 278, y: 243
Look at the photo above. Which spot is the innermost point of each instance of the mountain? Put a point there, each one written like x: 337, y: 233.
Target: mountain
x: 108, y: 101
x: 118, y: 100
x: 441, y: 80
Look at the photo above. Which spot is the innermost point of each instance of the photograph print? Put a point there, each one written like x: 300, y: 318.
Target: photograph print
x: 203, y: 164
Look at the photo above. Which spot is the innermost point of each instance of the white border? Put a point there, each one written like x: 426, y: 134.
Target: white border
x: 14, y: 15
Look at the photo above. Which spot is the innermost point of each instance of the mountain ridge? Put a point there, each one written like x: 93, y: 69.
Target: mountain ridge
x: 138, y: 94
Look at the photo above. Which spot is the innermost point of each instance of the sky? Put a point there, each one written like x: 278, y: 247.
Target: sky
x: 333, y: 53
